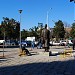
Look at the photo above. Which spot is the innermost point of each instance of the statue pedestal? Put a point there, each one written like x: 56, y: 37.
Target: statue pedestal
x: 50, y: 53
x: 44, y: 53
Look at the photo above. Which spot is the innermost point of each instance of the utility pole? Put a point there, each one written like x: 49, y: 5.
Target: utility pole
x: 48, y: 17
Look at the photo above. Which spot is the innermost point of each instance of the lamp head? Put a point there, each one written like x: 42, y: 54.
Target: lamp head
x: 20, y: 11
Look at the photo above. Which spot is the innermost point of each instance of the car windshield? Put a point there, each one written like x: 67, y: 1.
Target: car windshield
x: 63, y: 41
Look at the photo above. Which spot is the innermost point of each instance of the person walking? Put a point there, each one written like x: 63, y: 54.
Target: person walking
x: 67, y: 43
x: 32, y: 44
x: 45, y: 38
x: 73, y: 41
x: 39, y: 45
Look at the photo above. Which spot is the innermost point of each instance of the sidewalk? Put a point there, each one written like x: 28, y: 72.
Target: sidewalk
x: 36, y: 64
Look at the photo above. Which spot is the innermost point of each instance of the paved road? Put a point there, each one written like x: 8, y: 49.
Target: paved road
x: 37, y: 64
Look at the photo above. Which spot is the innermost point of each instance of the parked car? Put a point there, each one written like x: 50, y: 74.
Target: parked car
x: 9, y: 43
x: 53, y: 43
x: 70, y: 42
x: 23, y: 43
x: 36, y: 43
x: 28, y: 43
x: 63, y: 42
x: 1, y: 42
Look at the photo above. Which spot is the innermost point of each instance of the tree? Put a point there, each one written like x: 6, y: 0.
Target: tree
x: 4, y: 26
x: 58, y: 30
x: 72, y: 33
x: 10, y: 27
x: 33, y: 31
x: 24, y: 34
x: 40, y: 26
x: 71, y: 0
x: 1, y: 32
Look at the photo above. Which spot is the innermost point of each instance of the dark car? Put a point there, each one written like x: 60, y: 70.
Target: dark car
x: 28, y: 43
x: 9, y: 42
x: 23, y: 43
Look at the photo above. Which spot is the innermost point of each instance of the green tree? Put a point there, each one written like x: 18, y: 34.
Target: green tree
x: 72, y: 33
x: 33, y: 31
x: 24, y: 34
x: 1, y: 32
x: 40, y: 27
x: 29, y: 33
x: 58, y: 30
x: 10, y: 27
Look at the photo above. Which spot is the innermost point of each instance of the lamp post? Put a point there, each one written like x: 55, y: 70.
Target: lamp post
x: 72, y: 0
x: 20, y: 11
x: 3, y: 43
x: 74, y: 7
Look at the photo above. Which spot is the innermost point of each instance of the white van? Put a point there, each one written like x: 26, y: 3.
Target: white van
x: 1, y: 42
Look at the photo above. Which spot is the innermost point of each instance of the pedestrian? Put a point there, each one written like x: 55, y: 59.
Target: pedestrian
x: 73, y: 41
x: 39, y: 43
x: 32, y: 44
x: 45, y: 38
x: 67, y: 43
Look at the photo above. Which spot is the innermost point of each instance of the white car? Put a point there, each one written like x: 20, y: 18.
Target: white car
x: 54, y: 43
x: 70, y: 42
x: 1, y: 41
x: 63, y: 42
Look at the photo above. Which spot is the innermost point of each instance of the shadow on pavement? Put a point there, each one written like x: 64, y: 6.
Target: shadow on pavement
x: 55, y: 54
x: 41, y: 68
x: 9, y: 46
x: 4, y: 51
x: 2, y: 59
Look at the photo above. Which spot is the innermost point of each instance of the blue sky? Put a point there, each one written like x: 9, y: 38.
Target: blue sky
x: 35, y: 11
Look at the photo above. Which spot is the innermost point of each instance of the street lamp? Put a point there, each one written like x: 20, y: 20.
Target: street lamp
x: 72, y: 0
x: 3, y: 43
x: 20, y: 11
x: 74, y: 6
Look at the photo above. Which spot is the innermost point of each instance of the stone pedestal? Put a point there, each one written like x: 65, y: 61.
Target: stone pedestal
x: 44, y: 53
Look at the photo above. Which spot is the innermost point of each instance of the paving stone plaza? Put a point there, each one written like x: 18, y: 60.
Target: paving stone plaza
x: 39, y: 63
